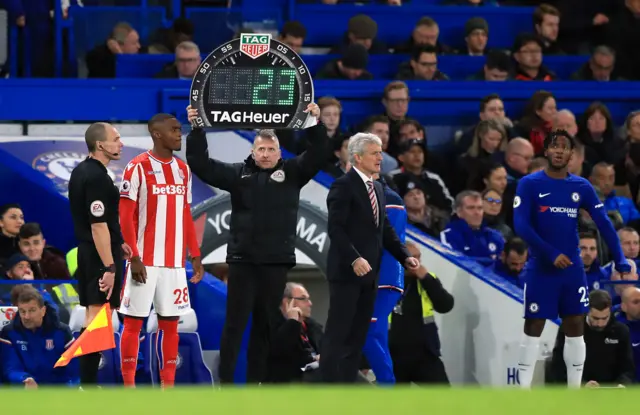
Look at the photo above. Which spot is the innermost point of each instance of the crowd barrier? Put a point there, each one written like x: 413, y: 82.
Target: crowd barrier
x: 433, y: 103
x: 457, y: 67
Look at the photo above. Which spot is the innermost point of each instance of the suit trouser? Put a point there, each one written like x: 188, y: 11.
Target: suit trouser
x: 376, y: 347
x: 256, y: 289
x: 351, y: 306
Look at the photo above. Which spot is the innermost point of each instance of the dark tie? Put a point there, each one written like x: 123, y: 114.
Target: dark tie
x: 374, y: 201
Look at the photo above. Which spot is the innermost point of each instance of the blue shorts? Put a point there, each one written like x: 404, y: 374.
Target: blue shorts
x: 552, y: 294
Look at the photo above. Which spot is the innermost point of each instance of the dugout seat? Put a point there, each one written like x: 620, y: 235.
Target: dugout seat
x: 109, y: 370
x: 191, y: 368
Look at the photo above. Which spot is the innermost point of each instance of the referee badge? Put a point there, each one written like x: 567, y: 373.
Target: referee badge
x: 278, y: 176
x: 97, y: 208
x: 575, y: 196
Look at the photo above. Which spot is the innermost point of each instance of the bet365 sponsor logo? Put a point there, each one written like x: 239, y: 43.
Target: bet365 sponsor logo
x: 169, y: 189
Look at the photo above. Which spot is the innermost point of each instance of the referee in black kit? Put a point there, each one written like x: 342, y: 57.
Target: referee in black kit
x: 265, y: 193
x: 94, y: 202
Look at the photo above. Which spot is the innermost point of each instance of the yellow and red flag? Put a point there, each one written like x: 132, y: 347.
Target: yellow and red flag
x: 98, y: 336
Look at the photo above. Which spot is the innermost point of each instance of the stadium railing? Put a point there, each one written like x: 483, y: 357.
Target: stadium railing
x: 433, y: 103
x: 458, y: 68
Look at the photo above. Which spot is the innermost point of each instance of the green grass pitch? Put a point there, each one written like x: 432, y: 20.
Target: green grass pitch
x: 320, y: 400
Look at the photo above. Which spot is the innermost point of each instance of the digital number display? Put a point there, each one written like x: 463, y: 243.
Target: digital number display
x: 252, y: 86
x: 252, y: 82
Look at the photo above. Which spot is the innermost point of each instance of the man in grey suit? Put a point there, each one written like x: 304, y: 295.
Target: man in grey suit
x: 359, y: 231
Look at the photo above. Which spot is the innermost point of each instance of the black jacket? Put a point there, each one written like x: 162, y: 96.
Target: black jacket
x: 353, y: 231
x: 408, y: 334
x: 609, y: 355
x: 289, y: 352
x: 264, y: 211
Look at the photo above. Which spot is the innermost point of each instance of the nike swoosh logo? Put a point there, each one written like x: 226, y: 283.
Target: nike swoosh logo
x: 635, y: 344
x: 245, y: 175
x: 541, y: 195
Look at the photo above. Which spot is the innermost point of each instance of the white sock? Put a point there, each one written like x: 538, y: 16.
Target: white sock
x: 529, y: 347
x: 574, y: 353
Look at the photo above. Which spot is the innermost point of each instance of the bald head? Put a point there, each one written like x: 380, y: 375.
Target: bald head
x: 519, y: 155
x: 565, y: 120
x: 631, y: 303
x: 629, y: 293
x: 97, y: 132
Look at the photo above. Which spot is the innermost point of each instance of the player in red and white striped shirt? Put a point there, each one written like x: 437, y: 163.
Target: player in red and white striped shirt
x: 156, y: 221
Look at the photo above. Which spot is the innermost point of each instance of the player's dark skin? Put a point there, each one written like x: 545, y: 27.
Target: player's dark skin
x: 167, y: 138
x: 558, y: 154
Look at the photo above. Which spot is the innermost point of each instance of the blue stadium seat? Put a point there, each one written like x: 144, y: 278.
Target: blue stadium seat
x: 109, y: 370
x: 91, y: 26
x: 214, y: 26
x: 326, y: 25
x: 191, y: 367
x: 382, y: 66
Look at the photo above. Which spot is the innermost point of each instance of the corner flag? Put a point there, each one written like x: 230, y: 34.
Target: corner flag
x: 97, y: 337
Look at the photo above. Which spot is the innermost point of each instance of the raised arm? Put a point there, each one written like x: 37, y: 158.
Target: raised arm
x: 522, y: 219
x: 211, y: 171
x: 314, y: 158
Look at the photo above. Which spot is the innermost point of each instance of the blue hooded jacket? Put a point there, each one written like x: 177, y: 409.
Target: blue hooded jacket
x: 28, y: 353
x: 391, y: 271
x: 595, y: 274
x: 484, y: 245
x: 634, y: 335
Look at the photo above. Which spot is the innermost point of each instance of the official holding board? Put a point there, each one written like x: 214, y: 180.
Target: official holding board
x: 359, y: 230
x: 255, y: 82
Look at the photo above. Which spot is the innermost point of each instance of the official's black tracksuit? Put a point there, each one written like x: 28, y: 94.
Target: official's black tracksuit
x: 414, y: 345
x: 609, y: 356
x: 261, y: 246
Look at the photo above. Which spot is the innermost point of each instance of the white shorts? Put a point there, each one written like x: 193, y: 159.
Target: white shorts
x: 166, y: 289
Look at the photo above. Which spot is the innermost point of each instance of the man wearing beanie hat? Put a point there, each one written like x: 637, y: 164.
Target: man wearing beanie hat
x: 362, y: 30
x: 351, y: 66
x: 476, y: 34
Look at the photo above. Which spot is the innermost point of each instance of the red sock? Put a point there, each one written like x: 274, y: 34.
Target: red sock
x: 129, y: 347
x: 167, y: 351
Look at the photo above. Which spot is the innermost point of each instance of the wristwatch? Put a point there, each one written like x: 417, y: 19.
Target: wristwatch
x: 110, y: 268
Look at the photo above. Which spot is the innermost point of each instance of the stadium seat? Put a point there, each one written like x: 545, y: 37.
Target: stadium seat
x: 109, y: 370
x: 458, y: 68
x: 191, y: 368
x: 396, y: 23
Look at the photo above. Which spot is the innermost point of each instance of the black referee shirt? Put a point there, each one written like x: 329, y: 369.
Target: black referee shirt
x: 94, y: 198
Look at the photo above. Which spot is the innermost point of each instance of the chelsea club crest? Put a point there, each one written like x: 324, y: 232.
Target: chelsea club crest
x: 58, y: 165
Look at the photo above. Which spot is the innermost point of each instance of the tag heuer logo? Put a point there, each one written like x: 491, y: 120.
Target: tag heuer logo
x: 254, y: 44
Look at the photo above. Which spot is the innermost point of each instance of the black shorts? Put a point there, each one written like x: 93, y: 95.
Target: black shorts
x: 88, y: 276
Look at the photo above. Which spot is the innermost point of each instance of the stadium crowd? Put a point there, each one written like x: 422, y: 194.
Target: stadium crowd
x: 461, y: 193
